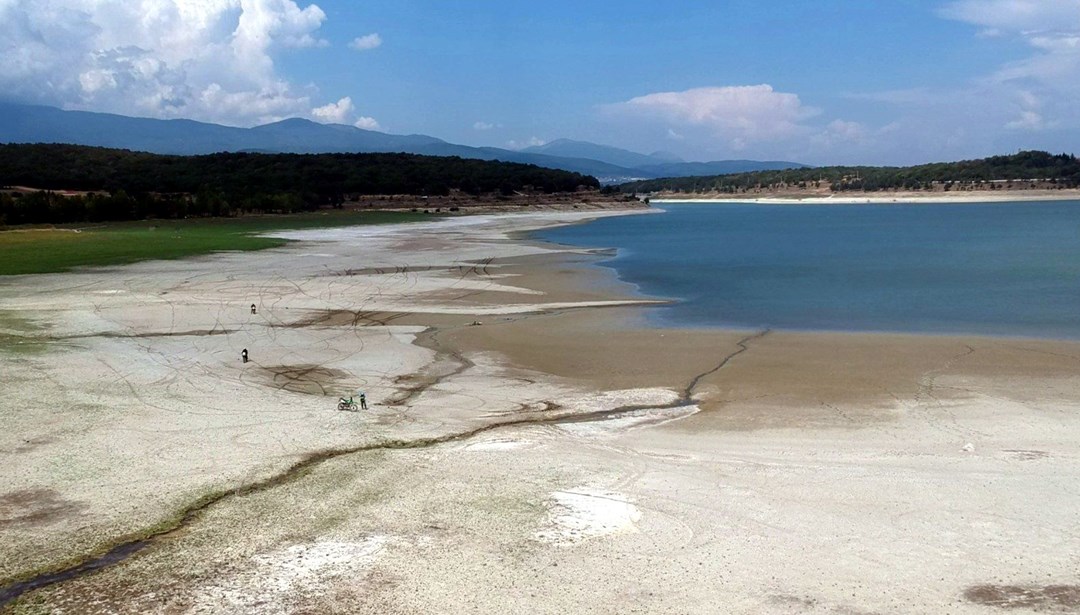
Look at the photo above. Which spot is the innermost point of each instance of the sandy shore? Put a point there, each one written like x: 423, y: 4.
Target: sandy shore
x: 975, y: 196
x: 558, y: 457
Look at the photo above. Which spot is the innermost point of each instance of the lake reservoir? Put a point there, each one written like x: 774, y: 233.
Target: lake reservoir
x: 989, y: 269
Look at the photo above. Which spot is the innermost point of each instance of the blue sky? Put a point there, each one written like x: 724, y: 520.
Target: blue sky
x: 827, y: 81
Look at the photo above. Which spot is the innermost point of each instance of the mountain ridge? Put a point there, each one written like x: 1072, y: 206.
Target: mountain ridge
x: 41, y: 124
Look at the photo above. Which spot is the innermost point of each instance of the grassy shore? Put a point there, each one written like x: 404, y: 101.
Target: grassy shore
x: 61, y: 248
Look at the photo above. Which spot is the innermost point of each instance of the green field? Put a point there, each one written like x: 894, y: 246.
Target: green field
x: 61, y: 248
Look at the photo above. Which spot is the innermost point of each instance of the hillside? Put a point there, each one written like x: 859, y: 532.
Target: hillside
x: 582, y: 149
x: 219, y: 184
x: 1062, y: 170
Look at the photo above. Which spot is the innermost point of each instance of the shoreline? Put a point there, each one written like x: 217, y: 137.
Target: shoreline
x: 793, y: 449
x: 884, y: 198
x: 656, y: 301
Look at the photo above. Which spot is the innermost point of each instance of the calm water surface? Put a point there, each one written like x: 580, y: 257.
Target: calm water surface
x: 998, y: 269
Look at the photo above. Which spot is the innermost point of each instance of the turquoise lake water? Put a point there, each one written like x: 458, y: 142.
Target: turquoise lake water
x: 993, y: 269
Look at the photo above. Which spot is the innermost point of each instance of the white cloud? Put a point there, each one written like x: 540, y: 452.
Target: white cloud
x: 844, y: 130
x: 531, y: 142
x: 1028, y: 120
x: 342, y: 112
x: 483, y: 126
x: 211, y: 59
x: 839, y: 135
x: 266, y: 23
x: 742, y: 115
x: 334, y: 113
x: 1016, y: 15
x: 1043, y: 90
x: 367, y: 123
x: 1029, y: 103
x: 368, y: 41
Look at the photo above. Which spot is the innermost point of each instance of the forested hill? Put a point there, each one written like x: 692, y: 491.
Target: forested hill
x: 1062, y: 169
x: 113, y: 184
x: 73, y: 167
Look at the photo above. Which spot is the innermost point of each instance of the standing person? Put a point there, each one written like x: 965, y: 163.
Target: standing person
x: 363, y: 401
x: 243, y: 355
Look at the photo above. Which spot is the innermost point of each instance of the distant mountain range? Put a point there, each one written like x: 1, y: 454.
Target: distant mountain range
x: 38, y: 124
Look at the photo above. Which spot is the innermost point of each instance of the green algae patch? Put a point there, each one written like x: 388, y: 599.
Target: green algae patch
x: 52, y: 250
x: 20, y: 336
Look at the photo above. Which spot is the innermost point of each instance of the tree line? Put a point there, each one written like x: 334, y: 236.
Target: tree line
x: 126, y: 185
x: 1058, y: 170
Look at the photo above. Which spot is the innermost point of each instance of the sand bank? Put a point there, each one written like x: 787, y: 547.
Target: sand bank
x: 639, y: 469
x: 985, y: 196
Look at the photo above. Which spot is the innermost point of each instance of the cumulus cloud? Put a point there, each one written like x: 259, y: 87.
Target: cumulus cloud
x: 210, y: 60
x: 334, y: 113
x: 741, y: 114
x: 342, y: 112
x: 368, y: 41
x: 367, y: 123
x: 1027, y: 103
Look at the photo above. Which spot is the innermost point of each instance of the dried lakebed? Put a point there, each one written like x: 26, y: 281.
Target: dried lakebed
x: 502, y: 466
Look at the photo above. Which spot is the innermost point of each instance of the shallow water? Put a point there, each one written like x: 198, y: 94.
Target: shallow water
x: 995, y: 268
